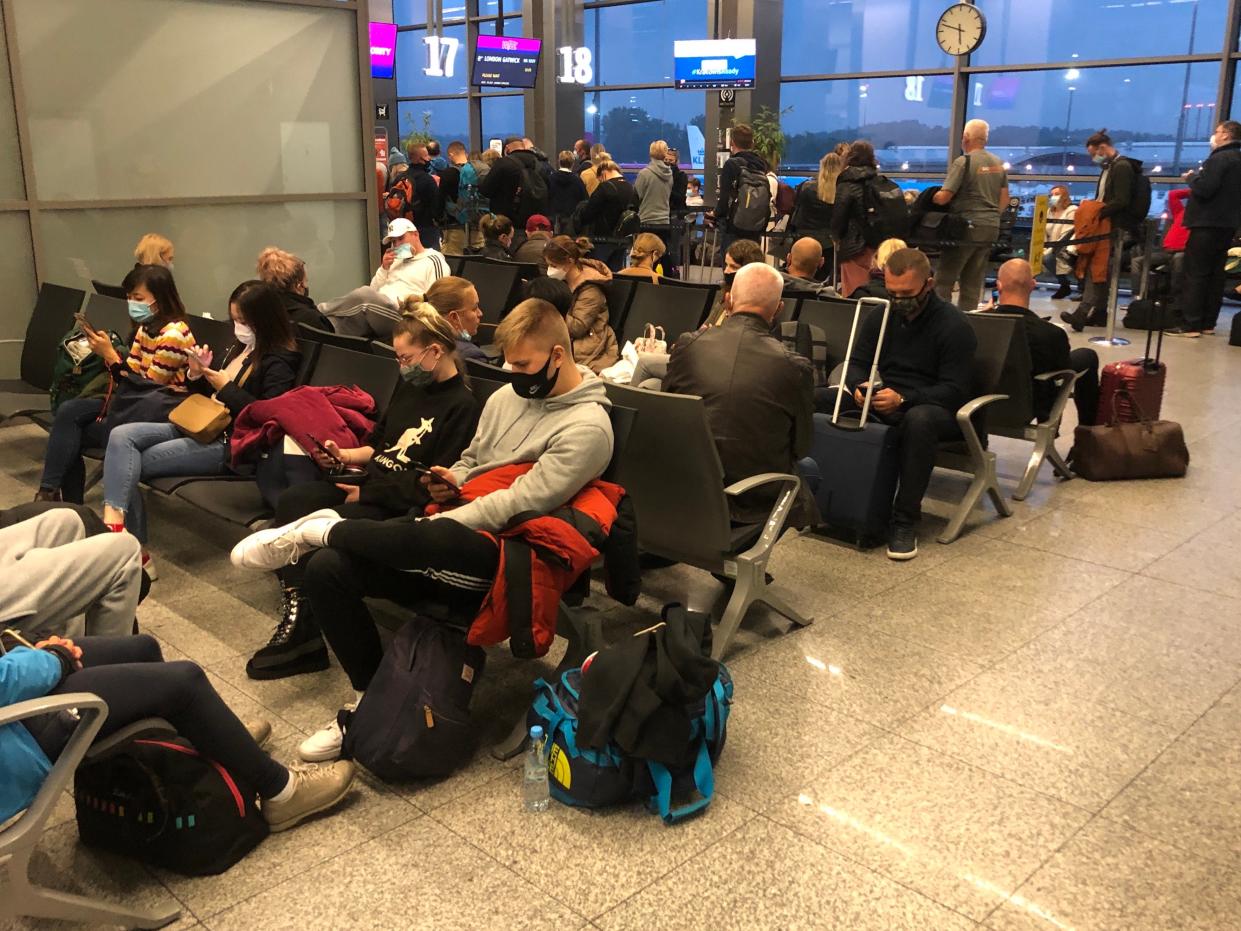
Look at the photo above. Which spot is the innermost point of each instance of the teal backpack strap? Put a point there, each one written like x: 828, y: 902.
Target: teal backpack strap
x: 704, y: 782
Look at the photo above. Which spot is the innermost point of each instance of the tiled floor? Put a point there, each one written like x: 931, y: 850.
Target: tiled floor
x: 1036, y: 727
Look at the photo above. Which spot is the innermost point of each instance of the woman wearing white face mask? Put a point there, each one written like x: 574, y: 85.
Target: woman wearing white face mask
x: 262, y: 364
x: 1061, y: 208
x: 594, y: 342
x: 429, y: 421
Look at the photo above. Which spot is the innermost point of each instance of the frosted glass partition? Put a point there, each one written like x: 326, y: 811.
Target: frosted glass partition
x: 180, y: 98
x: 216, y: 245
x: 17, y: 276
x: 12, y: 187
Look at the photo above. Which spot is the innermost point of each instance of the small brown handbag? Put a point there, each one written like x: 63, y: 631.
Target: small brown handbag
x: 202, y: 418
x: 1115, y: 451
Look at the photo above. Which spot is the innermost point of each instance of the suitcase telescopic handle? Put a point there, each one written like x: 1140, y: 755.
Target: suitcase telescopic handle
x: 886, y: 307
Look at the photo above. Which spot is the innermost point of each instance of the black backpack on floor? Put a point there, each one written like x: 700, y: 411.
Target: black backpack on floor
x: 414, y: 719
x: 162, y: 802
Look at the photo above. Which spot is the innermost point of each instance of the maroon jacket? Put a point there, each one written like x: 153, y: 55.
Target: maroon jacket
x: 338, y: 413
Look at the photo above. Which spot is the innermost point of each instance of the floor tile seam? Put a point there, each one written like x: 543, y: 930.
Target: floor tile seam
x: 501, y: 864
x: 1042, y: 865
x: 1231, y: 866
x: 754, y: 816
x: 504, y: 771
x: 306, y: 869
x: 1081, y: 559
x: 1070, y: 505
x: 878, y: 871
x: 1093, y: 813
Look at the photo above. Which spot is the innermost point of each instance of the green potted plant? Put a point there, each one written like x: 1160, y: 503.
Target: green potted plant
x: 420, y: 136
x: 769, y: 139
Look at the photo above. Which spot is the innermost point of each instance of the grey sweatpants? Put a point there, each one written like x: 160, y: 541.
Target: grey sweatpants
x: 55, y: 580
x: 362, y: 312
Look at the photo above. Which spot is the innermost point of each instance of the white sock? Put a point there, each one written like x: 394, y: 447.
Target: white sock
x: 286, y: 793
x: 314, y: 532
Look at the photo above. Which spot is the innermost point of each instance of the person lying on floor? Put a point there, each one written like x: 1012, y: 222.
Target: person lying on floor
x: 430, y: 420
x: 551, y: 425
x: 129, y: 673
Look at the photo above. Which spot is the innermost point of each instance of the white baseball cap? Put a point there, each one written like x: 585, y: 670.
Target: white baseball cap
x: 398, y: 228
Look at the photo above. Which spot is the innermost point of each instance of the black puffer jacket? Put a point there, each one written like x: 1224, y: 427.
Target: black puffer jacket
x: 1215, y: 191
x: 849, y: 212
x: 811, y: 216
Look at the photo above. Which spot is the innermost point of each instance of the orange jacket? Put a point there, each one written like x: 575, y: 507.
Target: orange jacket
x: 1092, y: 257
x: 540, y: 558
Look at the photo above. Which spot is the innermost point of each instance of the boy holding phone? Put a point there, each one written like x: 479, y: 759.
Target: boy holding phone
x: 554, y: 416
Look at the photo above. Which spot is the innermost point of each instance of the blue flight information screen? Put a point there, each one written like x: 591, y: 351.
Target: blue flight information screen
x: 703, y: 64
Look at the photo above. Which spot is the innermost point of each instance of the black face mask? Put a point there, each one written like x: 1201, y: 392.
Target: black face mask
x: 728, y: 279
x: 536, y: 385
x: 910, y: 306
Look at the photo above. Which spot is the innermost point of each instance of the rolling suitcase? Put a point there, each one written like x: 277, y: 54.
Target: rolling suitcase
x: 1141, y: 380
x: 857, y: 460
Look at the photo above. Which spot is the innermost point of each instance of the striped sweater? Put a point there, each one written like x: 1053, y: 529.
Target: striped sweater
x: 162, y: 358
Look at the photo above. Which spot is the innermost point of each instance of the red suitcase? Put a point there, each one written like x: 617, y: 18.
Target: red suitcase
x: 1144, y: 380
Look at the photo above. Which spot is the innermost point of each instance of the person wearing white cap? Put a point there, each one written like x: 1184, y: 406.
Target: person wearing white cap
x: 408, y: 268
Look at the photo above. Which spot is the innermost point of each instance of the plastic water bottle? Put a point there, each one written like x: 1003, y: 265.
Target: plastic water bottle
x: 534, y: 793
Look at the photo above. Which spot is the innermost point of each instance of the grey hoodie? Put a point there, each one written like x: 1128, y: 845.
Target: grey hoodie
x: 654, y: 187
x: 568, y: 438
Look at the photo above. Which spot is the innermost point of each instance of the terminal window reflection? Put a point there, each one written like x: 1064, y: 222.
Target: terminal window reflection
x: 860, y: 35
x: 1021, y: 32
x: 1160, y: 114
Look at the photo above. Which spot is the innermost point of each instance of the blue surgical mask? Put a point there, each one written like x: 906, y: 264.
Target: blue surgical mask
x: 140, y: 312
x: 403, y: 251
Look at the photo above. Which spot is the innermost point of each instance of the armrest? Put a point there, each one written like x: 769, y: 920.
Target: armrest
x: 92, y: 711
x: 1065, y: 380
x: 967, y: 411
x: 755, y: 481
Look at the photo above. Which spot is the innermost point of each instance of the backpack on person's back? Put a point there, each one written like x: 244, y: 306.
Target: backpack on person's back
x: 1139, y: 198
x: 469, y: 205
x: 401, y: 199
x: 885, y: 215
x: 532, y: 193
x: 751, y: 210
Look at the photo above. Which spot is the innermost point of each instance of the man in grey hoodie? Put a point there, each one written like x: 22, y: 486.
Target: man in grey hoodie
x: 554, y: 415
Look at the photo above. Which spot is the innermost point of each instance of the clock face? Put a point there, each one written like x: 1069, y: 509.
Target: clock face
x: 960, y: 29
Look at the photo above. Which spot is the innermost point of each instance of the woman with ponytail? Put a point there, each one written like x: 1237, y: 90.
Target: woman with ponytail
x: 430, y: 420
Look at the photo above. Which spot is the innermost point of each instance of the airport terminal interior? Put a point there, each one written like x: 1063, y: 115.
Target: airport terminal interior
x: 1035, y: 725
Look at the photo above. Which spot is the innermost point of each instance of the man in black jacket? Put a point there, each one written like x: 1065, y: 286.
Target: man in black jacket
x: 1212, y: 217
x: 1115, y: 190
x: 1049, y: 345
x: 427, y: 206
x: 743, y: 157
x: 759, y: 396
x: 926, y: 366
x: 506, y: 184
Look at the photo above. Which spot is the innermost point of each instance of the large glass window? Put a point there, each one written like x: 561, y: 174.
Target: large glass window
x: 907, y: 119
x: 842, y: 36
x: 430, y: 66
x: 329, y: 235
x: 503, y: 117
x: 1021, y: 32
x: 441, y: 119
x: 627, y: 122
x: 632, y: 44
x: 1160, y: 114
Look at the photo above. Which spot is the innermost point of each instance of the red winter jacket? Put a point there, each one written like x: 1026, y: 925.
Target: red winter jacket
x: 338, y: 413
x: 540, y: 558
x: 1177, y: 236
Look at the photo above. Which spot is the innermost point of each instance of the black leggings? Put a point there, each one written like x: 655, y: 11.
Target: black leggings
x: 308, y: 497
x: 410, y: 562
x: 130, y: 674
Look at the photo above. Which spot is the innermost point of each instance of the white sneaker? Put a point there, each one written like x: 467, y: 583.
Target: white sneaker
x: 325, y: 743
x: 283, y: 546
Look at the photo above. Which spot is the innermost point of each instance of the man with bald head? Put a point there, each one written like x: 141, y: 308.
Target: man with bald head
x: 803, y: 264
x: 976, y: 189
x: 1049, y: 345
x: 759, y: 396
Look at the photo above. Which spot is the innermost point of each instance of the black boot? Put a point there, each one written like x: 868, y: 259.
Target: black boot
x: 295, y: 647
x: 1063, y: 291
x: 1098, y: 317
x: 1076, y: 318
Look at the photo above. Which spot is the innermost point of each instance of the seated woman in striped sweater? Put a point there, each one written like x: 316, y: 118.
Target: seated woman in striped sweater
x: 160, y: 353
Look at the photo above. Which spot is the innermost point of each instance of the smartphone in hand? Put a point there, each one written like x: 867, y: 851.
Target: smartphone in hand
x: 340, y: 463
